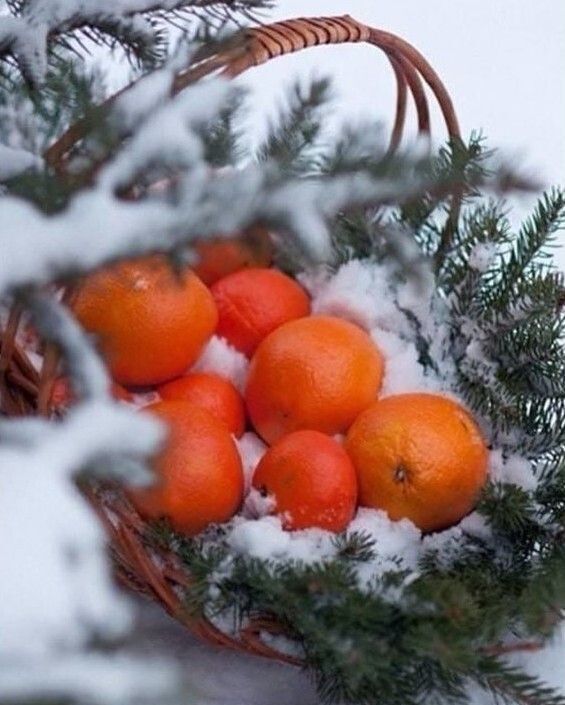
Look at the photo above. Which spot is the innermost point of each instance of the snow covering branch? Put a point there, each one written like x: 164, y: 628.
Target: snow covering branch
x: 138, y: 24
x: 14, y: 162
x: 97, y: 226
x: 57, y: 325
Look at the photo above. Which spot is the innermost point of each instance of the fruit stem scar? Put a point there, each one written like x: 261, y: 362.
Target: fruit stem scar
x: 400, y: 473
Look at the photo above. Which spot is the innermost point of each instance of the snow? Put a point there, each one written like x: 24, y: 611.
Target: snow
x: 403, y: 372
x: 251, y: 449
x: 266, y: 539
x: 143, y: 98
x: 512, y: 469
x: 14, y: 162
x: 545, y: 663
x: 162, y: 136
x: 220, y: 357
x: 97, y: 679
x: 60, y: 590
x: 363, y: 293
x: 397, y: 544
x: 360, y: 291
x: 482, y: 255
x: 204, y: 207
x: 27, y: 34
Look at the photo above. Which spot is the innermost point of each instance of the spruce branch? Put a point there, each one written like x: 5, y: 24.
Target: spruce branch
x: 515, y: 686
x: 530, y: 247
x: 292, y: 136
x: 37, y: 26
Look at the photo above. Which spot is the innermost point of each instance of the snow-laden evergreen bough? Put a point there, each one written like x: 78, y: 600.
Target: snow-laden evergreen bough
x: 457, y: 301
x: 33, y: 30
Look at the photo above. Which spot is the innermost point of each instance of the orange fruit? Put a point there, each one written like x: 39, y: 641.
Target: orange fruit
x: 211, y: 392
x: 220, y: 256
x: 315, y: 373
x: 199, y: 473
x: 311, y: 479
x: 151, y: 323
x: 253, y: 302
x: 62, y: 394
x: 420, y: 457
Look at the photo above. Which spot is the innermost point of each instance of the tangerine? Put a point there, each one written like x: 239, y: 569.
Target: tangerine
x: 220, y: 256
x: 151, y: 322
x: 211, y: 392
x: 312, y: 480
x: 199, y: 472
x: 314, y: 373
x: 253, y: 302
x: 418, y: 456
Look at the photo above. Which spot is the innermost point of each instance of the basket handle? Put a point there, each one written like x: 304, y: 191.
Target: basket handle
x: 270, y: 41
x: 266, y: 42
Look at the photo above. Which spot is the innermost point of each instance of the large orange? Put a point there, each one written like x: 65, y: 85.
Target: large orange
x: 253, y: 302
x: 315, y: 373
x: 311, y: 479
x: 199, y: 473
x: 151, y: 322
x: 420, y: 457
x: 211, y: 392
x: 222, y: 256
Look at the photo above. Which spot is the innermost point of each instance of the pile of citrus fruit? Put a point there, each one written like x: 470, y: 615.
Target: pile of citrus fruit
x: 312, y: 395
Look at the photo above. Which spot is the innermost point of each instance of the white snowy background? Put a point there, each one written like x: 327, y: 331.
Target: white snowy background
x: 501, y: 62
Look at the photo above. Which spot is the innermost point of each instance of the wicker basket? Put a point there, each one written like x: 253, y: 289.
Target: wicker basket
x: 25, y: 391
